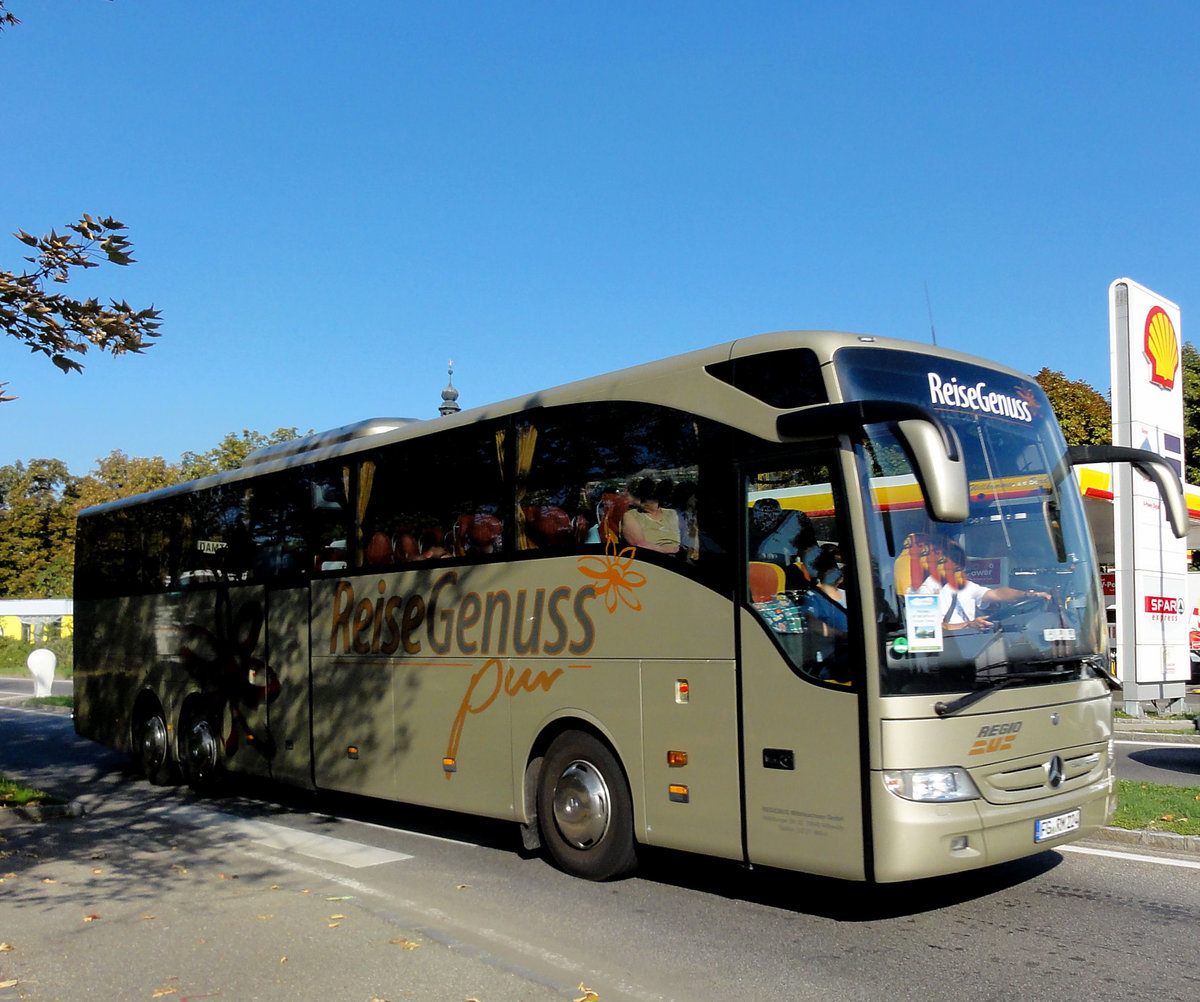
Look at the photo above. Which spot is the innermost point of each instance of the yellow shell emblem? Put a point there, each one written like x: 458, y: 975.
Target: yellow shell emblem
x: 1162, y: 348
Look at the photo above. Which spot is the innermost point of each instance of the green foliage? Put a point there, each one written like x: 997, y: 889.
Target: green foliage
x: 231, y: 452
x: 1084, y: 414
x: 58, y: 326
x: 37, y: 529
x: 1191, y: 412
x: 118, y: 475
x: 14, y: 653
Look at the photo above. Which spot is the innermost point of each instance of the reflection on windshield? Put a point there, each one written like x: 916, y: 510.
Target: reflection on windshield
x: 1012, y: 589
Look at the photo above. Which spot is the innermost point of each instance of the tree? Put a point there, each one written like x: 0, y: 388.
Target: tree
x: 231, y: 452
x: 120, y: 476
x: 54, y: 324
x: 1191, y: 412
x: 1084, y: 414
x: 61, y: 327
x: 37, y: 529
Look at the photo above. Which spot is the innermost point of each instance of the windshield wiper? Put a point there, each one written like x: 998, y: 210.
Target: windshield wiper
x: 996, y: 684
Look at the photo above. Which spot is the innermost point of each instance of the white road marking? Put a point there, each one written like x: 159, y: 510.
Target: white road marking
x: 1185, y: 864
x: 324, y: 847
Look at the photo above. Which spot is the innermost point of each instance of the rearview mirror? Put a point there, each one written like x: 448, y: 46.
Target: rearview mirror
x: 930, y: 443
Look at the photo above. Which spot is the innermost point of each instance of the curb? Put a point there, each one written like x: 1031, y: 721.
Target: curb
x: 36, y: 813
x: 1143, y: 838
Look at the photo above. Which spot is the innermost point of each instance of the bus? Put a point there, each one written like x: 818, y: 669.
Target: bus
x: 811, y: 600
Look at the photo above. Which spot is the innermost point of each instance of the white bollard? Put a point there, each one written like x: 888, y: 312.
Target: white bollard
x: 41, y: 663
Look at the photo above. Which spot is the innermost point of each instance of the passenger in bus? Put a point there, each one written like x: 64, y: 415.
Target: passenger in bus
x: 825, y: 606
x: 647, y: 524
x: 683, y: 500
x: 801, y: 571
x: 959, y: 598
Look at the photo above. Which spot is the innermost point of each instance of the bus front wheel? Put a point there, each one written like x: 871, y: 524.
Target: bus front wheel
x: 201, y: 753
x: 584, y: 809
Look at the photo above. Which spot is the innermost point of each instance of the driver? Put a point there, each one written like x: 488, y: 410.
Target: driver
x: 959, y: 598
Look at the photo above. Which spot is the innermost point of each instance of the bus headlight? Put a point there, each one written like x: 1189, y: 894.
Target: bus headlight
x: 939, y: 785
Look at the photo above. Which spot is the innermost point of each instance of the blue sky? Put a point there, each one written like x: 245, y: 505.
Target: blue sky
x: 328, y: 203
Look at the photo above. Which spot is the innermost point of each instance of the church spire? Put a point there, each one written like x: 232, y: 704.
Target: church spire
x: 449, y: 395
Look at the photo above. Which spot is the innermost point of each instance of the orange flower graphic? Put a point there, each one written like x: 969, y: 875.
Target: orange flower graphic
x: 613, y: 577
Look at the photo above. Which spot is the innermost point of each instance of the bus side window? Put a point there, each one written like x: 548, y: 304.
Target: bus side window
x: 796, y: 575
x: 430, y: 499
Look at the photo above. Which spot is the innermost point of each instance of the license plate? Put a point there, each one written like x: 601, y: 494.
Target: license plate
x: 1060, y: 824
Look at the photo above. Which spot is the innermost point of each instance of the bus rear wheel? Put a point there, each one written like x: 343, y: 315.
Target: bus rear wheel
x: 201, y: 758
x: 585, y: 813
x: 152, y: 748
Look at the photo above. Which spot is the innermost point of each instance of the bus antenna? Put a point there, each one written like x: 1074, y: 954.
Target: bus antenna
x: 929, y: 307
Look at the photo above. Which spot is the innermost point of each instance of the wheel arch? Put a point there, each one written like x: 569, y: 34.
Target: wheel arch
x: 572, y: 720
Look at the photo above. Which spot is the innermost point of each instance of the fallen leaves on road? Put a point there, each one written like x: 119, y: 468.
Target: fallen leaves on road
x: 9, y: 984
x: 90, y: 918
x: 588, y: 995
x: 404, y: 944
x: 165, y: 991
x: 5, y: 947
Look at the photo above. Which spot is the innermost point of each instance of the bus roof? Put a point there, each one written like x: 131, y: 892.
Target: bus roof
x: 679, y: 381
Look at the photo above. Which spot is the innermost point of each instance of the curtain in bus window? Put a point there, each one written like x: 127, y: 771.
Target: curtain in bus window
x: 366, y: 479
x: 527, y: 436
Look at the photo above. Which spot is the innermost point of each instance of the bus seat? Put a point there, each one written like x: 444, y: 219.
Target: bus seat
x: 766, y: 581
x: 609, y: 512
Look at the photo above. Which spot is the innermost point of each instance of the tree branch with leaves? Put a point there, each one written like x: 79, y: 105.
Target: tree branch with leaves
x: 58, y: 326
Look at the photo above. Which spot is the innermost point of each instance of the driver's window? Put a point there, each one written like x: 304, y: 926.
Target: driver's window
x: 796, y: 567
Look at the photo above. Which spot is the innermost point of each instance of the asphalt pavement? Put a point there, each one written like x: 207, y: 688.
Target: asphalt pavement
x: 124, y: 906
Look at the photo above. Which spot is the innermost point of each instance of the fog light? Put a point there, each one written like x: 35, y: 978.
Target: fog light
x: 958, y: 843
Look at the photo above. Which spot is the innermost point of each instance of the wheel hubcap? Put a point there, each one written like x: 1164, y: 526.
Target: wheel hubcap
x: 582, y: 807
x: 202, y: 750
x: 154, y: 741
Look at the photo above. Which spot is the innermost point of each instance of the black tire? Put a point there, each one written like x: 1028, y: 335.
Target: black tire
x: 152, y: 748
x: 585, y: 813
x: 200, y: 754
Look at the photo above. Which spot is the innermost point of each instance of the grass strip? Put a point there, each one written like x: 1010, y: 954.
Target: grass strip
x: 1158, y: 808
x: 17, y: 794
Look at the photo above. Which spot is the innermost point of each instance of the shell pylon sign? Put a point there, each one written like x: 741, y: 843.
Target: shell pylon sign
x: 1162, y: 348
x: 1151, y: 564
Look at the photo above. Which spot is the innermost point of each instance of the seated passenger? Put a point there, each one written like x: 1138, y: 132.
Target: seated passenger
x: 825, y: 607
x: 647, y: 524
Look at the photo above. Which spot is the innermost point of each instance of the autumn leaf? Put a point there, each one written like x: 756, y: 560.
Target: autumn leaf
x: 404, y: 944
x: 267, y: 916
x: 334, y: 925
x: 9, y: 984
x: 165, y: 991
x: 90, y: 918
x: 337, y: 916
x: 5, y: 947
x: 1167, y: 817
x: 588, y: 995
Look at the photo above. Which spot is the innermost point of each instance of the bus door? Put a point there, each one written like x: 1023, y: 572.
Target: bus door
x: 800, y: 687
x: 284, y: 686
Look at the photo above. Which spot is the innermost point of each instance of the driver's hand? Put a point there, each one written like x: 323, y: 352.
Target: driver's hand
x: 981, y: 623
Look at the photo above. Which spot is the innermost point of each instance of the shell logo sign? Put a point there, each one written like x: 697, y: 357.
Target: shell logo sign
x: 1162, y: 348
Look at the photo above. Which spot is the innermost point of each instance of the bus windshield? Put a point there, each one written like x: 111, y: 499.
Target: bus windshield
x: 1011, y: 595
